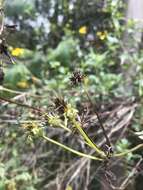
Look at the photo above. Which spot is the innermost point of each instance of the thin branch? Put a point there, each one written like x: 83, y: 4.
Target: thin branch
x: 2, y: 16
x: 128, y: 151
x: 20, y: 104
x: 99, y: 120
x: 132, y: 173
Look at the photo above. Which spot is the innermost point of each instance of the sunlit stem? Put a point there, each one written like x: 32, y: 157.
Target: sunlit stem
x: 65, y: 128
x: 70, y: 149
x: 128, y: 151
x: 87, y: 139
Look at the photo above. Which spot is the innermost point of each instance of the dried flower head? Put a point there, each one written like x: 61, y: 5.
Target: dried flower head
x: 60, y: 105
x: 77, y: 78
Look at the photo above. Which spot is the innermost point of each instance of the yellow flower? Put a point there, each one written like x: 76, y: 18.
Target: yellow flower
x: 102, y: 35
x: 17, y: 52
x: 22, y: 84
x: 83, y: 30
x: 69, y: 187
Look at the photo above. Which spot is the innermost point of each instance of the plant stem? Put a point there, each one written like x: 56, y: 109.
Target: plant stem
x: 1, y: 17
x: 128, y: 151
x: 88, y: 140
x: 99, y: 119
x: 20, y: 104
x: 71, y: 150
x: 64, y: 127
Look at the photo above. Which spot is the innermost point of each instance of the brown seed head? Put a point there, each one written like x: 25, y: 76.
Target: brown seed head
x: 60, y: 105
x: 77, y: 78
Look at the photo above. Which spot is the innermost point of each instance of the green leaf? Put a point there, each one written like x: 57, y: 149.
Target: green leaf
x: 23, y: 177
x: 15, y: 74
x: 139, y: 134
x: 2, y: 171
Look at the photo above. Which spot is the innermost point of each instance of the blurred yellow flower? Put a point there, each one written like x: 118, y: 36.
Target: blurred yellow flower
x: 83, y: 30
x: 69, y: 187
x: 23, y: 84
x: 102, y: 35
x: 17, y: 52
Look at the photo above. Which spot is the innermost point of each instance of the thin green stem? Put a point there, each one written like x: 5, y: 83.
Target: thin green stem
x: 19, y: 92
x: 20, y: 104
x: 128, y: 151
x: 88, y: 140
x: 71, y: 150
x: 64, y: 127
x: 11, y: 91
x: 98, y: 117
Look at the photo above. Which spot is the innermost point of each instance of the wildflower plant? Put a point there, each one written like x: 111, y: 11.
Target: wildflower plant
x: 32, y: 128
x: 82, y: 30
x: 17, y: 52
x: 64, y: 115
x: 102, y: 35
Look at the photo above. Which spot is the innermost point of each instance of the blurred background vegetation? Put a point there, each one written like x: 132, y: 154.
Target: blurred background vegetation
x: 102, y: 39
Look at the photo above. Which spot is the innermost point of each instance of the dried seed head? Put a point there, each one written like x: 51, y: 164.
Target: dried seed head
x: 77, y: 78
x: 60, y: 105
